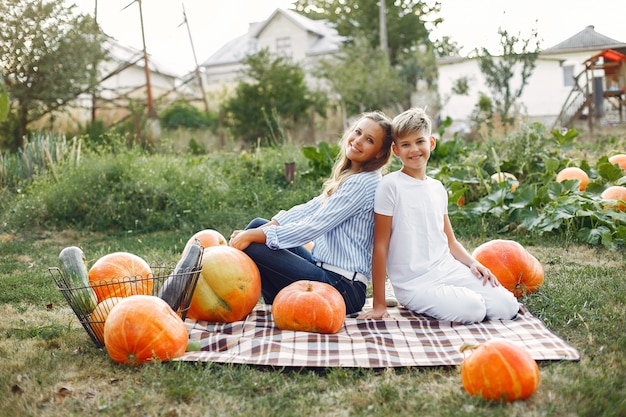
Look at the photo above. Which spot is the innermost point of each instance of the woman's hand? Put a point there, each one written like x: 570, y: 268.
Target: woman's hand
x: 376, y: 314
x: 484, y: 273
x: 241, y: 239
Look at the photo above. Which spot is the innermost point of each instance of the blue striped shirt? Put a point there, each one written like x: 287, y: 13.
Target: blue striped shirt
x: 342, y: 226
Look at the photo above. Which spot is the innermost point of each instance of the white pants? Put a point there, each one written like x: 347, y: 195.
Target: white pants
x: 454, y: 293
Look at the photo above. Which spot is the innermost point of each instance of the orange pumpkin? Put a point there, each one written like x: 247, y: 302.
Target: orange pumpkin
x: 499, y: 370
x: 619, y: 159
x: 309, y: 306
x: 99, y: 315
x: 144, y: 328
x: 516, y: 268
x: 615, y: 193
x: 208, y: 237
x: 120, y: 274
x: 503, y: 177
x: 228, y: 288
x: 574, y: 173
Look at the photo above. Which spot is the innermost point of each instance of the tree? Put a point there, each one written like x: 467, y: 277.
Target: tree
x: 273, y: 91
x: 49, y: 57
x: 515, y: 62
x: 410, y: 49
x: 362, y: 79
x: 358, y: 19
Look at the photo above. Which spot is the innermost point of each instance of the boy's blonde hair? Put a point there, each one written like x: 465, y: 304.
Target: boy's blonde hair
x: 411, y: 120
x: 343, y: 166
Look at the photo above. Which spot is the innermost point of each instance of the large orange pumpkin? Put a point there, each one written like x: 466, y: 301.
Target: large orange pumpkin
x: 120, y: 274
x: 619, y: 159
x: 228, y: 288
x: 516, y: 268
x: 499, y: 370
x: 99, y: 315
x: 615, y: 193
x: 309, y: 306
x: 208, y: 237
x: 144, y: 328
x: 574, y: 173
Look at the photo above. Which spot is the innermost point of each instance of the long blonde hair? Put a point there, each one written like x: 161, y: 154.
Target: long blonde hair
x: 343, y: 166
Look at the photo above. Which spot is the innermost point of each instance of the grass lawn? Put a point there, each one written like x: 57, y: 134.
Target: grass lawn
x: 50, y: 367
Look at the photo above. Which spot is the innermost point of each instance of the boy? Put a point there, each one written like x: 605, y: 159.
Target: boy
x: 414, y: 244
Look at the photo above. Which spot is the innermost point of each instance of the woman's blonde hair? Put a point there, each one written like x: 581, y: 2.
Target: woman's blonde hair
x: 343, y: 166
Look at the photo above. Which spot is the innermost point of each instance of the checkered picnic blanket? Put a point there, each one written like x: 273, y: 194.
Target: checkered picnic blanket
x: 404, y: 339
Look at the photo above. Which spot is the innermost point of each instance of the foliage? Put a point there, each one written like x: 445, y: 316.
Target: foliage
x: 4, y: 100
x: 410, y: 56
x: 182, y: 114
x: 363, y: 79
x: 405, y: 21
x: 321, y: 159
x: 40, y: 154
x: 517, y: 60
x: 540, y: 206
x: 49, y: 57
x: 131, y: 190
x: 271, y: 86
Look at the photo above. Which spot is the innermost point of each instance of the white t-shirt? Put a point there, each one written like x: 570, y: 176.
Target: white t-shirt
x: 418, y: 246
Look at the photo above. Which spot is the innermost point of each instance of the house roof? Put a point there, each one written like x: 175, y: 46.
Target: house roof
x: 234, y: 51
x: 586, y: 39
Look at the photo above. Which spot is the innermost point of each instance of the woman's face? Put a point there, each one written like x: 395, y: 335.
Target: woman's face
x: 365, y: 142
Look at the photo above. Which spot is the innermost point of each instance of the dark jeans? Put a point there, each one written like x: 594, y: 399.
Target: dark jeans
x: 282, y: 267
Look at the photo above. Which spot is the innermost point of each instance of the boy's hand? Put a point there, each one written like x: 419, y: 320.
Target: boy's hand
x: 484, y: 273
x: 376, y: 314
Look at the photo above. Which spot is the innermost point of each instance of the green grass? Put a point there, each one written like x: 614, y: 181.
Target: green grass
x: 50, y: 367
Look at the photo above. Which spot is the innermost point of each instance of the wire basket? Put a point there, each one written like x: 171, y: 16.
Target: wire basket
x: 180, y: 288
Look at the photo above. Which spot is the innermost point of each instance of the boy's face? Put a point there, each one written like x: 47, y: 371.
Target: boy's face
x: 414, y: 149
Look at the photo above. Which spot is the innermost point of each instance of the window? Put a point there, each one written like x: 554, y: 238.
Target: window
x: 283, y: 47
x: 568, y: 75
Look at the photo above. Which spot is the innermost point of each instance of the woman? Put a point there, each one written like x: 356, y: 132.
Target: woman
x: 339, y: 221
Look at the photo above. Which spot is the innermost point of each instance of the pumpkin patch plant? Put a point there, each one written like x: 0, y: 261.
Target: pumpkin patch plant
x: 615, y: 194
x: 516, y: 268
x: 309, y: 306
x: 228, y: 288
x: 120, y: 274
x: 144, y: 328
x: 574, y: 173
x: 619, y: 160
x: 499, y: 370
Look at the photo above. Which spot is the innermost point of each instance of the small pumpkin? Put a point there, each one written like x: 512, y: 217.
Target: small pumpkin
x: 207, y: 237
x: 619, y: 159
x: 503, y: 177
x: 516, y: 268
x: 615, y: 194
x: 499, y: 370
x: 309, y: 306
x: 99, y: 315
x: 228, y: 288
x: 120, y: 274
x: 144, y: 328
x: 574, y: 173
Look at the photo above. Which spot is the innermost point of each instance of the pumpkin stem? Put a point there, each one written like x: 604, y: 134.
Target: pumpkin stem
x: 309, y: 286
x: 465, y: 346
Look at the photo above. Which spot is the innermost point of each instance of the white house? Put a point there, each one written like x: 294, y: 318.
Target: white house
x: 285, y: 33
x: 548, y: 89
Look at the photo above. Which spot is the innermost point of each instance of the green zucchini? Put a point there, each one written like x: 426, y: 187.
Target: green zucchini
x: 175, y: 288
x: 73, y: 265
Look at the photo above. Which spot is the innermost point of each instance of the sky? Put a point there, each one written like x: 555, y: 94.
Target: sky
x: 212, y: 23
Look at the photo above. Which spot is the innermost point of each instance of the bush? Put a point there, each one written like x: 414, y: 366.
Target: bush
x: 182, y: 114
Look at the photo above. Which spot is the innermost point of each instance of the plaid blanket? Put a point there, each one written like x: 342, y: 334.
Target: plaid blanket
x: 404, y: 339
